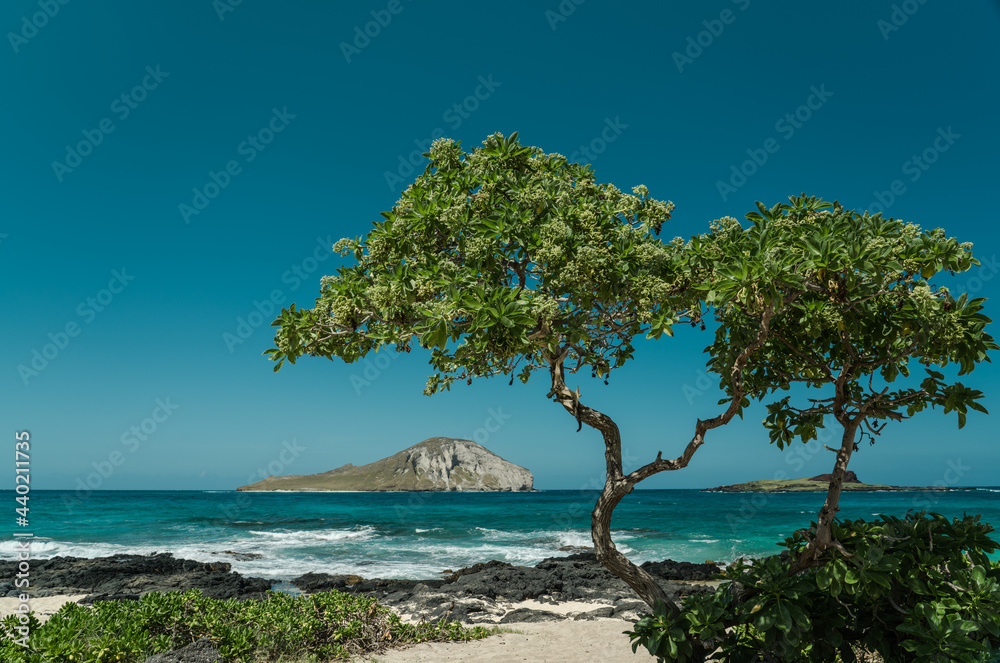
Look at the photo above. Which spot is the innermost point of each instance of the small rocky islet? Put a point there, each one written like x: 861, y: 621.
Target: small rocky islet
x: 438, y: 464
x: 818, y: 484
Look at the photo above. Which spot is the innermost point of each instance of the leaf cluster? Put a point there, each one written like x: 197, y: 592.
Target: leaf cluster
x: 919, y: 588
x: 847, y: 304
x: 495, y: 259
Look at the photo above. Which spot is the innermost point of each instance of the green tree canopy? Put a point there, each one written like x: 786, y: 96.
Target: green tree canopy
x: 496, y: 259
x: 843, y: 303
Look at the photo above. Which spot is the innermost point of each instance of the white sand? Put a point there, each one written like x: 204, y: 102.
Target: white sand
x: 43, y: 607
x: 543, y: 642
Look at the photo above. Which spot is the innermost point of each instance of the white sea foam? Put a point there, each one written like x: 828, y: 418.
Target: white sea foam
x: 308, y: 537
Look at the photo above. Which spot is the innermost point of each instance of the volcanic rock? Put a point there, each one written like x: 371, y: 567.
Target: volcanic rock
x: 122, y: 576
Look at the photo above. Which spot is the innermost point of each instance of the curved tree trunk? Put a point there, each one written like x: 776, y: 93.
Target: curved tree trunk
x: 645, y: 585
x: 617, y: 484
x: 616, y: 487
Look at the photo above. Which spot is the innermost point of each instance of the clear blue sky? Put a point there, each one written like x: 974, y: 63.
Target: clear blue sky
x: 315, y: 121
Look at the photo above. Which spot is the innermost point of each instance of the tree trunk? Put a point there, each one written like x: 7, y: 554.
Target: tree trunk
x: 824, y: 534
x: 616, y: 486
x: 645, y: 585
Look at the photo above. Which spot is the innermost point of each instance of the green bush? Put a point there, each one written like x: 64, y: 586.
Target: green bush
x: 918, y: 589
x: 320, y: 627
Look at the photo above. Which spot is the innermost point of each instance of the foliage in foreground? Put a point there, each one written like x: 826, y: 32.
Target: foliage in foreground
x: 320, y: 627
x: 917, y: 589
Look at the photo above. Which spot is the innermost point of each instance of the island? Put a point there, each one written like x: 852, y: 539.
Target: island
x: 436, y: 464
x: 817, y: 484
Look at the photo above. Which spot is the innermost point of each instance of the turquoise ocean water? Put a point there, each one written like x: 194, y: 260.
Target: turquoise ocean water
x: 417, y: 535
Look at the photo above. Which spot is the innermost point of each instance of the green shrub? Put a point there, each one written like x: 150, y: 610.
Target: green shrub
x: 919, y: 589
x: 324, y: 626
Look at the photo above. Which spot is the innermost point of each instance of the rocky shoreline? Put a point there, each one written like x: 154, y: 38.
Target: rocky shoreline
x: 572, y: 587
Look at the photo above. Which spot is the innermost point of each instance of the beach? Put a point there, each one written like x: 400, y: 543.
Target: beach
x: 564, y: 604
x: 548, y: 642
x: 43, y: 606
x: 553, y: 642
x: 518, y: 562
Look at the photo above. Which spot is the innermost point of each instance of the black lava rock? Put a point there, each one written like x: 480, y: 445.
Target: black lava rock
x: 526, y: 615
x: 129, y: 575
x: 202, y: 651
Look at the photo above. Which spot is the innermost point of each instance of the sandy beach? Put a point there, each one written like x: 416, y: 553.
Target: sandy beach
x: 43, y: 606
x: 547, y: 642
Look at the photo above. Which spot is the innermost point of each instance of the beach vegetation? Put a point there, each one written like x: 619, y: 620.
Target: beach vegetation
x: 919, y: 589
x: 325, y: 626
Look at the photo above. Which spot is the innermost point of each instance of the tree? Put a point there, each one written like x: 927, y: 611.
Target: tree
x: 834, y: 300
x: 507, y: 260
x: 848, y: 306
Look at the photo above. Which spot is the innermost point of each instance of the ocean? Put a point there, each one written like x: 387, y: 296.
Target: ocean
x: 418, y: 535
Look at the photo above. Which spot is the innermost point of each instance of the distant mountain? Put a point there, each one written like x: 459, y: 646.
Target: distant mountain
x: 437, y: 464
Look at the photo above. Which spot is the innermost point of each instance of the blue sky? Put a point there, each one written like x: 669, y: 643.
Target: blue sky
x: 171, y: 171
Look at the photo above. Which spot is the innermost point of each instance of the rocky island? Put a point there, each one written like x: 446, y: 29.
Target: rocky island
x: 436, y: 464
x: 817, y: 484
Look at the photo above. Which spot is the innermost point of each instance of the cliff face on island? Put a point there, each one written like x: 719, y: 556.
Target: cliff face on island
x: 436, y: 464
